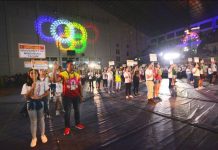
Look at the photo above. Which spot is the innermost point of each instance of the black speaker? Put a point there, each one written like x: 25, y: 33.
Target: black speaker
x: 71, y: 53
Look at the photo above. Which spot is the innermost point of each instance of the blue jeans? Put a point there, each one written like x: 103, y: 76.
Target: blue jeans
x: 36, y: 115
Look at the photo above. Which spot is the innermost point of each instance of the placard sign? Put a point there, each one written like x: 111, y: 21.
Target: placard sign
x: 196, y: 59
x: 153, y: 57
x: 111, y: 63
x: 38, y: 64
x: 143, y: 65
x: 171, y: 62
x: 189, y: 59
x: 31, y: 50
x: 124, y: 65
x: 212, y: 59
x: 130, y: 63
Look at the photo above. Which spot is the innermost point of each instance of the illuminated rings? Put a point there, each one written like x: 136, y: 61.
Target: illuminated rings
x: 54, y: 27
x: 38, y: 27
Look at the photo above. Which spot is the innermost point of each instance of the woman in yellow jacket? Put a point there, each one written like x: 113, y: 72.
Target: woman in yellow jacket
x: 118, y: 80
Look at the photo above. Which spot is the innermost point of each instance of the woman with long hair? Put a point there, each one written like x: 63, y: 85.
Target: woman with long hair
x: 34, y: 92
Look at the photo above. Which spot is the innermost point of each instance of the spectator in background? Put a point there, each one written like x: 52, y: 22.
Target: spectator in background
x: 157, y: 80
x: 128, y: 81
x: 149, y: 75
x: 196, y: 75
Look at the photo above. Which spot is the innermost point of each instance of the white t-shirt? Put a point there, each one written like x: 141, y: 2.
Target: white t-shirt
x: 127, y: 76
x: 104, y: 74
x: 110, y: 75
x: 188, y: 71
x: 210, y: 71
x: 149, y: 72
x: 25, y: 89
x: 214, y: 67
x: 59, y: 89
x: 90, y: 74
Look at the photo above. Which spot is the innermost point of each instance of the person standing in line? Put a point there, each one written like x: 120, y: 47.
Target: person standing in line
x: 118, y: 80
x: 188, y: 74
x: 58, y: 98
x: 157, y: 80
x: 104, y: 77
x: 72, y: 95
x: 136, y: 79
x: 201, y: 80
x: 214, y: 70
x: 128, y: 80
x: 149, y: 75
x: 170, y: 75
x: 91, y: 78
x: 98, y: 80
x: 196, y: 75
x: 110, y: 80
x: 35, y: 92
x: 45, y: 81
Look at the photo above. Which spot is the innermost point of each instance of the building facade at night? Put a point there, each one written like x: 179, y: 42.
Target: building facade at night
x: 116, y: 41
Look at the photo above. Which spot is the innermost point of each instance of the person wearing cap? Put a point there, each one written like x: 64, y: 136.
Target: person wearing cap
x: 72, y: 95
x: 149, y: 75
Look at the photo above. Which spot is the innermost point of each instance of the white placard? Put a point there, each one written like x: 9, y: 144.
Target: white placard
x: 153, y: 57
x: 171, y: 62
x: 38, y: 64
x: 31, y: 50
x: 130, y: 62
x: 111, y: 63
x: 212, y: 59
x: 135, y: 63
x: 189, y: 59
x: 124, y: 65
x: 143, y: 65
x: 196, y: 59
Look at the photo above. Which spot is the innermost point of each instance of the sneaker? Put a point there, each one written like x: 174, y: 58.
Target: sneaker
x: 130, y: 96
x: 127, y: 97
x: 80, y: 126
x: 66, y: 131
x: 33, y: 142
x: 44, y: 139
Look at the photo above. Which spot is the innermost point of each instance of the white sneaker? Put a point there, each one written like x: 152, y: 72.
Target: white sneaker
x: 33, y: 142
x: 44, y: 139
x: 131, y: 96
x: 127, y: 97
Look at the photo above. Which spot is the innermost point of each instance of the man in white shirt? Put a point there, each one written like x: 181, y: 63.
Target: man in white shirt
x: 149, y: 75
x: 110, y: 80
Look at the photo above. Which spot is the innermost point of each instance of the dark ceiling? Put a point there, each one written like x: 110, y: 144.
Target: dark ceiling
x: 154, y: 17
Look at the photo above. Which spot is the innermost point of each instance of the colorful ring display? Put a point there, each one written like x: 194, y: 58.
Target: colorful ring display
x: 64, y: 32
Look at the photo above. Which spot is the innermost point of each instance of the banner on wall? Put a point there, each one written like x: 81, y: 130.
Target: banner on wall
x: 153, y: 57
x: 38, y: 64
x: 31, y: 50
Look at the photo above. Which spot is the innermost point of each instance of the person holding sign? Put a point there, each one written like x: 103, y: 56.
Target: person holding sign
x: 34, y: 92
x: 149, y: 75
x: 128, y: 81
x: 196, y: 75
x: 72, y: 94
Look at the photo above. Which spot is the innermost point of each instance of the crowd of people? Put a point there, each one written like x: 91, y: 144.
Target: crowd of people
x: 65, y: 87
